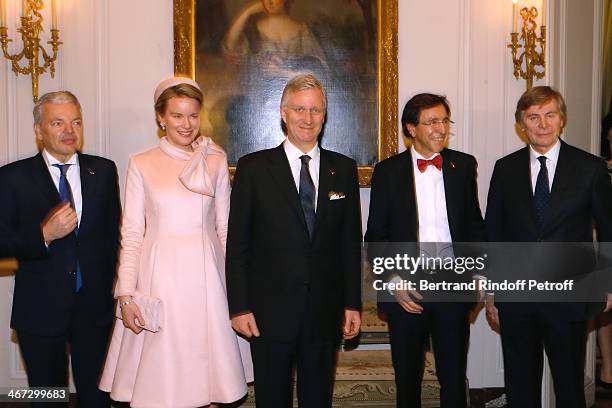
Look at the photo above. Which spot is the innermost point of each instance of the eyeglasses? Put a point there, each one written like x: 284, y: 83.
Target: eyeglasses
x: 433, y: 122
x: 301, y: 110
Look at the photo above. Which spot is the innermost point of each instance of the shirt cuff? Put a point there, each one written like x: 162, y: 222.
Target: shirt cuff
x: 394, y: 279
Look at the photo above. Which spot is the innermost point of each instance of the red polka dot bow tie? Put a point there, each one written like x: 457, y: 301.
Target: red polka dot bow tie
x: 436, y: 161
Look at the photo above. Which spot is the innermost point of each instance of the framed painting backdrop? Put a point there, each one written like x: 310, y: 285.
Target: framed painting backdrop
x: 242, y: 52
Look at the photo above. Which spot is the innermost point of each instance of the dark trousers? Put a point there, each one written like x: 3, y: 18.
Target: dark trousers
x: 46, y: 360
x: 447, y: 323
x: 273, y: 362
x: 524, y: 339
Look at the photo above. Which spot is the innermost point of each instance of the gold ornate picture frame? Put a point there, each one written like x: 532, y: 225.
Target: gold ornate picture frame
x: 197, y: 28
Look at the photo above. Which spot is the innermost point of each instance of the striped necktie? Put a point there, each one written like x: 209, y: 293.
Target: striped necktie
x: 541, y: 194
x: 65, y: 192
x: 307, y: 194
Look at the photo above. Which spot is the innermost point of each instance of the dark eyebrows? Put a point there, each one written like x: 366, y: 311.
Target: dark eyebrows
x: 183, y: 114
x: 535, y: 114
x: 56, y: 118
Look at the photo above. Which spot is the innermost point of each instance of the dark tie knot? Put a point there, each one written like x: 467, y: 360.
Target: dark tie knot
x: 63, y: 168
x: 542, y: 160
x: 305, y: 159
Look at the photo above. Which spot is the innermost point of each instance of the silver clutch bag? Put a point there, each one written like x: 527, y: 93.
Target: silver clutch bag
x: 151, y: 309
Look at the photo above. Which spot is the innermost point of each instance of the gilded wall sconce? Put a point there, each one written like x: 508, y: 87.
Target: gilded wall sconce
x: 32, y: 51
x: 530, y: 63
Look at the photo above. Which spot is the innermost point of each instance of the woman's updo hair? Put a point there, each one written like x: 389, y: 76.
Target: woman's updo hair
x: 181, y: 91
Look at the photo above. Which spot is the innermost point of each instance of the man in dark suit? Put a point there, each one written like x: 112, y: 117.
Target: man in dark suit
x: 426, y: 194
x: 293, y: 254
x: 59, y: 216
x: 548, y: 192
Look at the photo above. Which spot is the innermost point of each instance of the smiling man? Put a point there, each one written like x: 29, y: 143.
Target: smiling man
x: 548, y: 191
x: 59, y: 216
x: 426, y: 194
x: 293, y: 254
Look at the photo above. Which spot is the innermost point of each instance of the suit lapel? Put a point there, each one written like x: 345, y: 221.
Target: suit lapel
x: 280, y: 172
x: 405, y: 194
x: 523, y: 191
x: 563, y: 175
x: 407, y: 190
x: 327, y: 175
x: 88, y: 186
x: 42, y: 179
x: 451, y: 175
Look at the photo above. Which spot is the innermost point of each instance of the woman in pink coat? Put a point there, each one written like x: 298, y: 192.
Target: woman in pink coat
x: 173, y: 249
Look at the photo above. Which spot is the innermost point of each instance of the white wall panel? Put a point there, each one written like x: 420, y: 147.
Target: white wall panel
x: 115, y: 52
x: 140, y: 55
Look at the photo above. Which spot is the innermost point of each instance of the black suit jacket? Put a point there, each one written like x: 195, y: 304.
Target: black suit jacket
x: 393, y: 213
x: 272, y: 267
x: 44, y: 295
x: 580, y: 198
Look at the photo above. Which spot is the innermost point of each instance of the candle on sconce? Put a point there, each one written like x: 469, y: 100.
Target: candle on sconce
x: 53, y: 15
x: 544, y: 12
x: 3, y: 13
x: 514, y: 16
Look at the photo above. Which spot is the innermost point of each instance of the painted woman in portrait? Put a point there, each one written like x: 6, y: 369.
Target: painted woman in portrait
x: 271, y: 47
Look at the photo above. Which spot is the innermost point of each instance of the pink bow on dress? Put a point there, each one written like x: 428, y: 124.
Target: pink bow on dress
x: 196, y: 176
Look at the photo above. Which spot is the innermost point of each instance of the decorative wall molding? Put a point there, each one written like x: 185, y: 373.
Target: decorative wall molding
x: 590, y: 367
x: 500, y: 357
x: 464, y: 87
x: 10, y: 103
x: 17, y: 371
x: 102, y: 27
x: 596, y: 85
x: 16, y: 368
x: 561, y: 33
x: 4, y: 114
x: 548, y: 390
x: 11, y: 117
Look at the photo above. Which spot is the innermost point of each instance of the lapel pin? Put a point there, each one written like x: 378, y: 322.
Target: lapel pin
x: 332, y: 172
x: 452, y: 165
x: 90, y: 171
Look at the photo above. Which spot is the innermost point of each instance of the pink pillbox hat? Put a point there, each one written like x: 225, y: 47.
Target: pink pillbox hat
x: 170, y: 82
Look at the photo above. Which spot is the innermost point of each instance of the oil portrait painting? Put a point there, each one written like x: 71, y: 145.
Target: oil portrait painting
x: 244, y: 51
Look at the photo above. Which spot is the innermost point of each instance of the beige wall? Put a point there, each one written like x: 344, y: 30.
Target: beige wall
x: 116, y: 51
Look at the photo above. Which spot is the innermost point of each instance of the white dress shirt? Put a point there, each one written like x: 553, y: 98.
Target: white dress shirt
x: 293, y: 156
x: 73, y: 175
x: 431, y: 202
x: 552, y: 156
x: 431, y: 210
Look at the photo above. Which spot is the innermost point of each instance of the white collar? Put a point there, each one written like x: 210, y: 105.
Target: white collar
x: 50, y: 160
x: 552, y: 154
x: 293, y: 153
x: 416, y: 155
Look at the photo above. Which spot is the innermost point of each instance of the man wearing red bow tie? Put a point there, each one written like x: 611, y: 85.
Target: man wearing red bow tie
x: 426, y: 194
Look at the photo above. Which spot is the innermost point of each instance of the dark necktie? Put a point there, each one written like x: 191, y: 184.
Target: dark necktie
x: 307, y: 194
x: 542, y: 192
x: 436, y: 162
x: 65, y: 192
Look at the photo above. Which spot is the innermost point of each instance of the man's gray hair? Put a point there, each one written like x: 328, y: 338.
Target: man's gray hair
x: 303, y: 82
x: 53, y: 98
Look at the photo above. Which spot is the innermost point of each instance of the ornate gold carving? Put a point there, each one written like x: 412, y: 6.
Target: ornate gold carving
x: 184, y: 65
x: 184, y: 59
x: 365, y: 174
x: 530, y: 58
x: 387, y: 79
x: 32, y: 51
